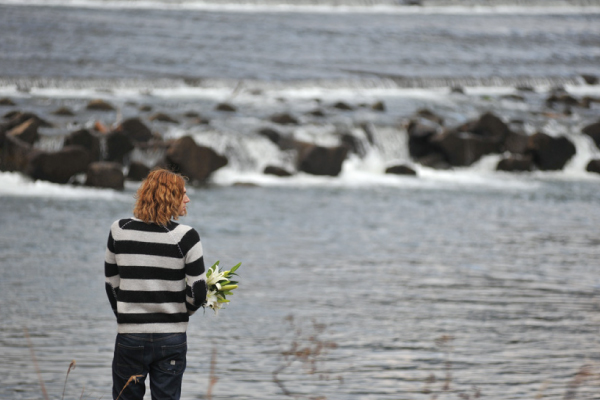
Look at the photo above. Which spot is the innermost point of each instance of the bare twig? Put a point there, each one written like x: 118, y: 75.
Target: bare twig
x: 133, y: 378
x: 35, y: 364
x: 71, y: 366
x: 212, y: 379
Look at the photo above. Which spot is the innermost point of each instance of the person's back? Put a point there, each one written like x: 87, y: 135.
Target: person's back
x: 155, y: 279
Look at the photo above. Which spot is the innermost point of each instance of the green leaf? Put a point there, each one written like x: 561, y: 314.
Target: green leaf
x: 235, y: 268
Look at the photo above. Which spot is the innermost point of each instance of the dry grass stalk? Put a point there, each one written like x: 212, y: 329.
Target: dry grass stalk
x: 71, y: 366
x: 35, y: 364
x: 212, y: 379
x: 133, y: 378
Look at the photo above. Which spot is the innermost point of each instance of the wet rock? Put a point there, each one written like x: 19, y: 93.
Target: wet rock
x: 195, y: 162
x: 99, y: 105
x: 590, y: 79
x: 145, y: 108
x: 434, y: 160
x: 490, y: 126
x: 462, y: 148
x: 137, y: 171
x: 514, y: 97
x: 318, y: 160
x: 587, y: 101
x: 317, y: 113
x: 5, y: 101
x: 420, y: 132
x: 277, y: 171
x: 11, y: 114
x: 87, y: 140
x: 59, y: 166
x: 593, y: 131
x: 191, y: 114
x: 515, y: 163
x: 562, y: 97
x: 17, y: 118
x: 162, y: 117
x: 14, y: 154
x: 593, y: 166
x: 401, y: 170
x: 118, y: 145
x: 378, y: 106
x: 516, y: 143
x: 430, y: 115
x: 525, y: 88
x: 135, y: 130
x: 271, y: 134
x: 354, y: 144
x: 26, y: 131
x: 550, y: 153
x: 457, y: 89
x: 226, y: 107
x: 340, y: 105
x: 63, y: 112
x: 284, y: 119
x: 107, y: 175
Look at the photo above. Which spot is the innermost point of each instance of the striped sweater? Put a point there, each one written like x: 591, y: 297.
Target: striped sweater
x: 155, y: 275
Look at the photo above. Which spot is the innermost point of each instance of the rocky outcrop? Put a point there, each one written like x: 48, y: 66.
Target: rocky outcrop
x: 105, y: 175
x: 420, y: 132
x: 593, y: 166
x: 26, y: 131
x: 135, y: 130
x: 318, y: 160
x: 226, y: 107
x: 550, y: 153
x: 277, y: 171
x: 516, y: 143
x: 195, y: 162
x: 137, y: 171
x: 87, y: 140
x: 118, y: 145
x: 593, y: 131
x: 99, y: 105
x: 515, y: 163
x: 401, y: 170
x: 59, y: 166
x: 462, y: 149
x: 64, y: 112
x: 14, y: 154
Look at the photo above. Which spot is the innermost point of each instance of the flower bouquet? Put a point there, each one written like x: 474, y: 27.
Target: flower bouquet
x: 219, y: 286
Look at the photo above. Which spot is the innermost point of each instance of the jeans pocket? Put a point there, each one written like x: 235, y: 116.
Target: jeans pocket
x: 173, y: 360
x: 129, y: 360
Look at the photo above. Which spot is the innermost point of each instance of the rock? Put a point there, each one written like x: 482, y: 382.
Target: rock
x: 420, y: 132
x: 284, y: 119
x: 491, y: 126
x: 162, y: 117
x: 191, y: 114
x: 118, y: 145
x: 195, y: 162
x: 27, y: 131
x: 270, y: 134
x: 525, y: 88
x: 135, y: 130
x: 145, y: 108
x: 593, y: 166
x: 457, y: 89
x: 318, y: 160
x: 514, y: 97
x: 340, y: 105
x: 354, y: 144
x: 11, y: 114
x: 105, y: 175
x: 137, y: 171
x: 87, y: 140
x: 401, y: 170
x: 226, y: 107
x: 63, y: 112
x: 434, y: 160
x: 17, y: 118
x: 590, y: 79
x: 515, y: 163
x: 559, y: 96
x: 378, y: 106
x: 5, y: 101
x: 277, y: 171
x: 550, y: 153
x: 14, y: 154
x: 59, y: 166
x: 430, y: 115
x: 317, y: 112
x: 516, y: 143
x: 463, y: 149
x: 100, y: 105
x: 593, y: 131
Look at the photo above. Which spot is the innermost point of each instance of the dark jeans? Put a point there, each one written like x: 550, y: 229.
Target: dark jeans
x: 160, y: 354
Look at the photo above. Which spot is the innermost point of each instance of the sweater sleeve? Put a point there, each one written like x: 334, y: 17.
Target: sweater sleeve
x: 195, y: 273
x: 111, y: 273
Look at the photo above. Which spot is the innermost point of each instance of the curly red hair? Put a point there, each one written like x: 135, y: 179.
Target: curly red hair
x: 159, y: 197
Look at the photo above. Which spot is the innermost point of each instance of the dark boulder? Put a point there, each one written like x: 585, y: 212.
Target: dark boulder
x: 434, y: 160
x: 17, y: 118
x: 162, y: 117
x: 107, y: 175
x: 137, y: 171
x: 420, y: 131
x: 593, y: 166
x: 378, y: 106
x: 277, y: 171
x: 401, y: 170
x: 550, y: 153
x: 340, y: 105
x: 118, y: 145
x: 226, y: 107
x: 99, y: 105
x: 14, y: 154
x: 26, y: 131
x: 195, y: 162
x: 590, y: 79
x: 135, y: 130
x: 271, y: 134
x: 354, y: 144
x: 284, y: 119
x: 317, y: 112
x: 5, y: 101
x: 63, y: 112
x: 318, y: 160
x: 593, y: 131
x: 515, y: 163
x: 59, y: 166
x: 87, y: 140
x: 516, y: 143
x: 463, y: 149
x: 429, y: 115
x: 488, y: 126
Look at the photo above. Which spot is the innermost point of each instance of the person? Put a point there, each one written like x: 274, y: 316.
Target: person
x: 155, y: 279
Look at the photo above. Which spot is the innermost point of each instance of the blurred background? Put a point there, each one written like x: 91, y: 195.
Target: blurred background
x: 411, y: 187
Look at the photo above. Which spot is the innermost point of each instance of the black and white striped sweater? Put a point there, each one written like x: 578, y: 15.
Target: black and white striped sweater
x: 155, y: 275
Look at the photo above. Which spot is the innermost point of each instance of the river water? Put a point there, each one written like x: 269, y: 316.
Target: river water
x: 455, y: 284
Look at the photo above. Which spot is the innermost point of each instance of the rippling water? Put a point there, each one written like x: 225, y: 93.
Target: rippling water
x: 502, y: 283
